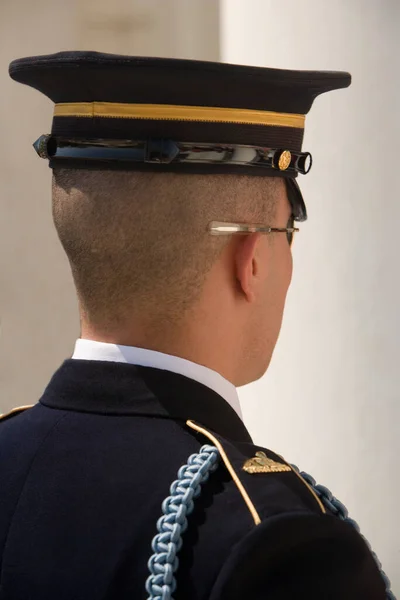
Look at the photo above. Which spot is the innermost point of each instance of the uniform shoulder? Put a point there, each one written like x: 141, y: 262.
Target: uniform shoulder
x: 14, y: 412
x: 296, y: 549
x: 267, y: 483
x: 300, y: 556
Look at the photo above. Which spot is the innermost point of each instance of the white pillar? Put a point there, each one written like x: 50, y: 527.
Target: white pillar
x: 330, y: 400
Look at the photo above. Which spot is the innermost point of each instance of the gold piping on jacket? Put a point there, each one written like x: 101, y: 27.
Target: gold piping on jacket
x: 231, y: 470
x: 14, y: 411
x: 170, y: 112
x: 322, y: 507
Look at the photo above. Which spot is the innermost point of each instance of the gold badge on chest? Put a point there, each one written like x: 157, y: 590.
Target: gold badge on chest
x: 262, y: 464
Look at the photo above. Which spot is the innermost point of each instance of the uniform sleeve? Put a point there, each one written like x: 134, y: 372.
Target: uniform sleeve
x: 300, y: 556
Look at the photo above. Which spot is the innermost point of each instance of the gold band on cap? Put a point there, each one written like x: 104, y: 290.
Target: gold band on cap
x: 170, y: 112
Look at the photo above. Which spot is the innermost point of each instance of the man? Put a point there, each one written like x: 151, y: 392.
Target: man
x: 157, y: 165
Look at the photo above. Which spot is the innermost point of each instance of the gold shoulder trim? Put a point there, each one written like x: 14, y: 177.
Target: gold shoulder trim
x: 230, y: 468
x: 322, y: 507
x: 15, y: 411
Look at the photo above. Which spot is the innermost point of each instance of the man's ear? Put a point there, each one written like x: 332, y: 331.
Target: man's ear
x: 247, y: 264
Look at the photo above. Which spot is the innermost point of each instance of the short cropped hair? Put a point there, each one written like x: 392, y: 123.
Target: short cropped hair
x: 138, y: 242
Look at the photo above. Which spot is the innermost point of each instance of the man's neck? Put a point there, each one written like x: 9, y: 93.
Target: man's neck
x: 195, y: 346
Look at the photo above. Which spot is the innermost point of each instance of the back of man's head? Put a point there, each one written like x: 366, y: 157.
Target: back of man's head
x: 138, y: 242
x: 141, y: 251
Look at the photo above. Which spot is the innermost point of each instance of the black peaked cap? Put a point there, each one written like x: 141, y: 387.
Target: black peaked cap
x: 212, y: 115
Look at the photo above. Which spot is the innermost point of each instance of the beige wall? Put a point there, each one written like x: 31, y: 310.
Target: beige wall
x: 38, y: 311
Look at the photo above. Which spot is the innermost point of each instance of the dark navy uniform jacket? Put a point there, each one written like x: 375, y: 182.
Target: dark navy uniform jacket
x: 83, y: 474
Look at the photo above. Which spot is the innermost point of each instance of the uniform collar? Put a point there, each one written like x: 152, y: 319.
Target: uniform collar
x: 93, y: 350
x: 114, y: 388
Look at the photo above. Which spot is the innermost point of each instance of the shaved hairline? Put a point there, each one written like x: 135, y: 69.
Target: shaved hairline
x: 133, y: 237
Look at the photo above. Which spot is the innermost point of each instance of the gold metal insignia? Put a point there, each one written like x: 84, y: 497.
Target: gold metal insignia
x: 284, y: 160
x: 262, y: 464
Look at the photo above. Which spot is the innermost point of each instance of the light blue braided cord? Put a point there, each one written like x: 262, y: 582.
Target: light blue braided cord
x: 161, y: 583
x: 340, y: 511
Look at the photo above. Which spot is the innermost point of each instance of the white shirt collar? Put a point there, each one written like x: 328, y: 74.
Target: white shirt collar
x: 91, y: 350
